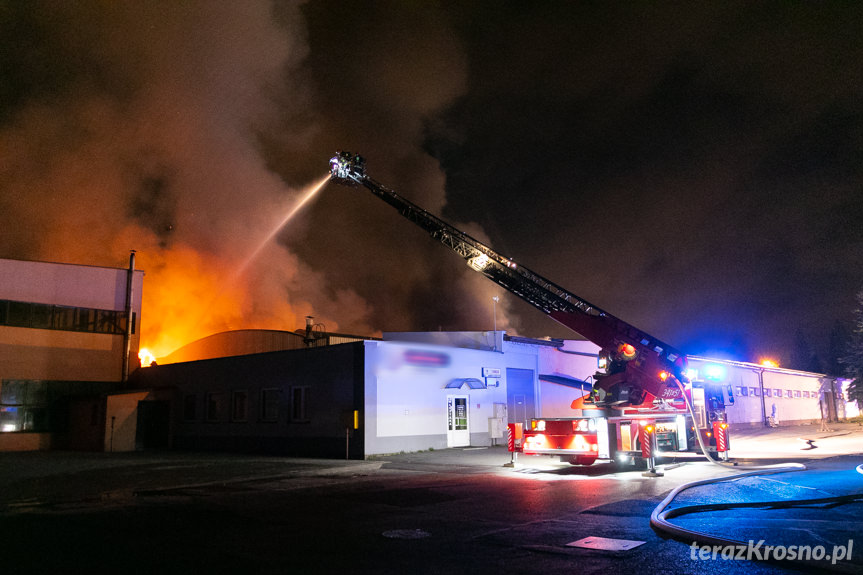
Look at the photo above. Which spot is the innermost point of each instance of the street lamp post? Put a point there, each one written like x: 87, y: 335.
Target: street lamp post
x: 494, y: 300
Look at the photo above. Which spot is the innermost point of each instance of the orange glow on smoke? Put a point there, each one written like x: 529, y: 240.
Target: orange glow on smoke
x: 189, y: 295
x: 185, y: 299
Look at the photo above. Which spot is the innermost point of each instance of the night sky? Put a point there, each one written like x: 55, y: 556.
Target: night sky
x: 695, y: 170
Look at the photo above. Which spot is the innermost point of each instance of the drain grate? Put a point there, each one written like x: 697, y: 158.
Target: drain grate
x: 605, y: 544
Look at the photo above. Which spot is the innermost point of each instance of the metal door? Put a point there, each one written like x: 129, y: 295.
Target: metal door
x: 458, y: 425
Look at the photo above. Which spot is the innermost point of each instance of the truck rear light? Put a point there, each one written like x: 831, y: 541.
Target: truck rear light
x: 534, y: 442
x: 537, y: 424
x: 584, y: 443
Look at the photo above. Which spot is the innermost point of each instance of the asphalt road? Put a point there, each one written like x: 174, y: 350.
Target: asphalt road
x: 451, y: 511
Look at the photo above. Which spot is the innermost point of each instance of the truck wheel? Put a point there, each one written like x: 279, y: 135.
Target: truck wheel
x: 581, y: 460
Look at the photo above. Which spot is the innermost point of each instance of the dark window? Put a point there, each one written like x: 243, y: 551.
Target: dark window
x: 109, y: 322
x: 190, y: 407
x: 215, y: 406
x: 239, y: 406
x: 269, y: 405
x: 19, y: 314
x: 299, y: 397
x: 40, y: 316
x: 64, y: 317
x: 67, y: 318
x: 85, y: 319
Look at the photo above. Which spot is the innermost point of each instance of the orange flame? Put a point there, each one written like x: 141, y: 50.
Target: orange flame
x: 146, y: 357
x: 189, y: 295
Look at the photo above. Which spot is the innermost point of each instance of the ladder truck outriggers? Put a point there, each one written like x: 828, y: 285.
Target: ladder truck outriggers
x: 637, y: 407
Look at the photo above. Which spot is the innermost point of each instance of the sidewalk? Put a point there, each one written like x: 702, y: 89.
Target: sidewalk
x: 796, y: 441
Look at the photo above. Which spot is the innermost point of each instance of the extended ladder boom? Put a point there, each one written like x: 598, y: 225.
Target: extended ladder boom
x: 636, y: 358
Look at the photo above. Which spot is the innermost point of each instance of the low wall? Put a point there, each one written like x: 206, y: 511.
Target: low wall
x: 24, y: 441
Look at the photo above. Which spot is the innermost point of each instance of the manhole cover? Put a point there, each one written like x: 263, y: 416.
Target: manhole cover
x: 605, y: 544
x: 406, y: 534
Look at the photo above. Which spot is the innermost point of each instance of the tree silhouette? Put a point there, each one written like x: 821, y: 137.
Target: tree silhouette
x: 853, y: 359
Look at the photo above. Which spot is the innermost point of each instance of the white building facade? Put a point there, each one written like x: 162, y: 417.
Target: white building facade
x: 758, y: 395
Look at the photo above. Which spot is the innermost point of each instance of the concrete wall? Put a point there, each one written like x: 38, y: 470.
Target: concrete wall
x: 67, y: 284
x: 25, y: 441
x: 121, y: 421
x: 43, y: 354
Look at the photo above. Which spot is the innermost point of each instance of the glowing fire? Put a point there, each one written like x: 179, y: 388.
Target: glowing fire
x: 146, y: 357
x: 189, y: 295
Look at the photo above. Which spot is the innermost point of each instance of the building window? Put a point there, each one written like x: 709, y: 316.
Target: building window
x: 741, y: 391
x: 788, y: 393
x: 215, y: 406
x: 270, y: 404
x: 40, y: 316
x: 805, y: 394
x: 66, y: 318
x: 239, y: 405
x: 85, y: 319
x: 299, y: 398
x: 797, y: 393
x: 19, y: 314
x: 190, y: 407
x: 753, y: 391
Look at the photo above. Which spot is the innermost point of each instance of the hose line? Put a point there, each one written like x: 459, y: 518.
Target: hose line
x: 660, y: 516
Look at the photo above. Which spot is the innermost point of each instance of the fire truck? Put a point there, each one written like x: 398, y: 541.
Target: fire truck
x: 641, y: 402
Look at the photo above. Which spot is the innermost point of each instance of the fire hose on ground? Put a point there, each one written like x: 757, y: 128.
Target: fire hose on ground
x: 659, y: 518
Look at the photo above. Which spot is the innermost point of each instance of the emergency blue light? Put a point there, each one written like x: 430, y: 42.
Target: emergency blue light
x: 714, y: 372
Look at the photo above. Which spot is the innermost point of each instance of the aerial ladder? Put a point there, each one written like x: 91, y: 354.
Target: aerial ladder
x: 639, y: 368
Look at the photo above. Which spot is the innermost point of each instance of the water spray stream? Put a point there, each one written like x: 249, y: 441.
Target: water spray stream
x: 306, y: 196
x: 312, y: 192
